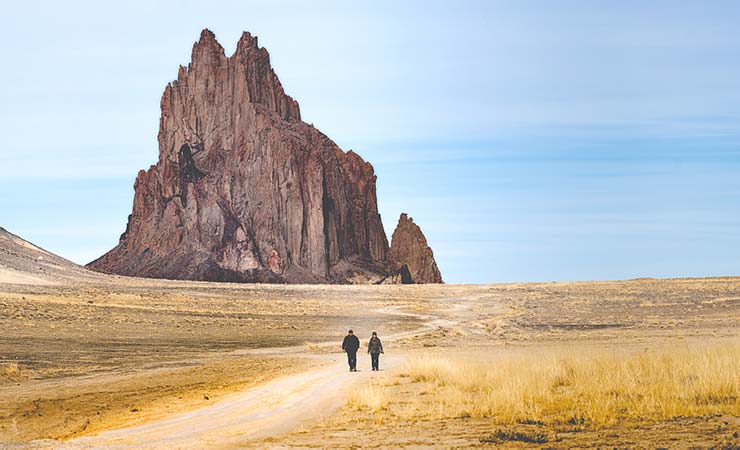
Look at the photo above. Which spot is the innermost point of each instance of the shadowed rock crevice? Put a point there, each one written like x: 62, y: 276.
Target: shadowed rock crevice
x: 188, y: 171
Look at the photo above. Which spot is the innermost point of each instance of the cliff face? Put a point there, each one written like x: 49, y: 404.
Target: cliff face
x: 409, y: 248
x: 244, y: 190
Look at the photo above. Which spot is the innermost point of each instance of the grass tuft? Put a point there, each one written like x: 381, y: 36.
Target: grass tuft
x: 10, y: 370
x: 373, y: 398
x: 312, y: 346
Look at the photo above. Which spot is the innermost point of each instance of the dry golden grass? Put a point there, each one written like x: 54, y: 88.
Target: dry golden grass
x: 10, y: 370
x: 374, y: 398
x: 567, y: 387
x: 312, y: 346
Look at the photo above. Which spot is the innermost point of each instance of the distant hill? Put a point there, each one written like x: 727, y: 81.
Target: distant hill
x: 21, y: 262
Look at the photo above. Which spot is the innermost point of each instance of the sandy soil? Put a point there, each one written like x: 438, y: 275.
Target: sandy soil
x: 76, y: 406
x: 141, y: 356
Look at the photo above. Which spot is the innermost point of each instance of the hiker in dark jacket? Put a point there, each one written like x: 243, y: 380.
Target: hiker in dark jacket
x: 350, y: 345
x: 375, y: 348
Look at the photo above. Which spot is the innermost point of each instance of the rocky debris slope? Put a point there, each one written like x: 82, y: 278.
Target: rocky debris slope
x: 24, y: 263
x: 409, y: 250
x: 244, y: 190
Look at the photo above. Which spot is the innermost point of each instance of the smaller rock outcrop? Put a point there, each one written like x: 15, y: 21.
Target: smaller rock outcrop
x: 410, y: 253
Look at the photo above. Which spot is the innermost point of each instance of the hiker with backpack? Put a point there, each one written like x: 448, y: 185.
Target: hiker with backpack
x: 375, y: 348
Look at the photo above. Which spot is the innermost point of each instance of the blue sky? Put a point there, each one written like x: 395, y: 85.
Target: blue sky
x: 532, y: 141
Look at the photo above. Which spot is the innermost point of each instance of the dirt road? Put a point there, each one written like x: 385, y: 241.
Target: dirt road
x: 277, y: 407
x: 274, y: 408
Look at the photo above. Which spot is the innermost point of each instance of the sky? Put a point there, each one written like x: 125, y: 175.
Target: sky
x: 531, y: 140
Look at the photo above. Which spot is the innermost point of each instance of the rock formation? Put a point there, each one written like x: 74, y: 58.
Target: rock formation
x: 409, y: 249
x: 244, y: 190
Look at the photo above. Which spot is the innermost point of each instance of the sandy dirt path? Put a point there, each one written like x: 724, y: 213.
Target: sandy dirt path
x: 268, y: 410
x: 271, y: 409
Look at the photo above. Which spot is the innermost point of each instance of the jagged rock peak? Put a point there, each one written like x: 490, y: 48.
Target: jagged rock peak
x: 210, y: 65
x: 207, y: 49
x: 246, y: 41
x: 409, y: 248
x: 208, y: 38
x: 243, y: 190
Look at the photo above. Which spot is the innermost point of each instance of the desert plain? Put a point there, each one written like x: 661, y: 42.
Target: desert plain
x: 90, y: 360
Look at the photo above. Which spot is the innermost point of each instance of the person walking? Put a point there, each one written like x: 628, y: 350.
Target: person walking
x: 375, y: 348
x: 350, y: 345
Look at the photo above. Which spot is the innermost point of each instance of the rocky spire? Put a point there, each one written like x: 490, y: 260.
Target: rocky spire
x: 409, y: 248
x: 245, y: 191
